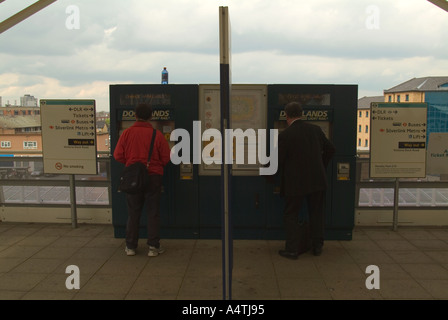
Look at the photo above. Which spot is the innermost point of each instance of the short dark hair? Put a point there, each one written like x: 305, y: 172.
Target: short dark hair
x: 143, y: 111
x: 293, y: 110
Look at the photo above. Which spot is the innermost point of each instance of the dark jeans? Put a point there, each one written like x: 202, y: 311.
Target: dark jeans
x: 136, y: 203
x: 315, y: 202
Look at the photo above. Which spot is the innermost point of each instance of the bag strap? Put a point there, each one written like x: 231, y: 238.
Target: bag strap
x: 152, y: 146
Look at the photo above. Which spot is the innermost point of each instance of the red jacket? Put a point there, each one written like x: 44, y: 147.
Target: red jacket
x: 133, y: 146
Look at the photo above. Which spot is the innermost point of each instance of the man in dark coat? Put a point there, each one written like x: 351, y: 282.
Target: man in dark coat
x: 304, y: 153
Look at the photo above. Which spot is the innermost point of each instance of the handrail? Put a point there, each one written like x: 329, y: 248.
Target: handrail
x: 405, y: 184
x: 104, y: 181
x: 24, y: 181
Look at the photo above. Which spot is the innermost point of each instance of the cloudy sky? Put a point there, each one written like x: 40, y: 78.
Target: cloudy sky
x: 376, y: 44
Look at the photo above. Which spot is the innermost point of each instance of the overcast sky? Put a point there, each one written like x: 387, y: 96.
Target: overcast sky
x: 375, y: 44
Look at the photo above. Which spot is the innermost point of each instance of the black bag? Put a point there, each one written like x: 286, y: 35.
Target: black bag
x: 134, y: 178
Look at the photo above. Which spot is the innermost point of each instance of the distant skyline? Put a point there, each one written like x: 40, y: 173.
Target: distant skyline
x: 75, y: 49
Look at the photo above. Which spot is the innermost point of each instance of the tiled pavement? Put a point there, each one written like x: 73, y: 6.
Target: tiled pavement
x: 413, y: 264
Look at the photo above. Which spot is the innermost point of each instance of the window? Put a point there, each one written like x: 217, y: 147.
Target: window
x: 366, y: 143
x: 367, y: 114
x: 367, y: 129
x: 5, y: 144
x: 398, y: 98
x: 390, y: 98
x: 29, y: 145
x: 407, y: 97
x: 359, y: 142
x: 359, y: 128
x: 360, y: 114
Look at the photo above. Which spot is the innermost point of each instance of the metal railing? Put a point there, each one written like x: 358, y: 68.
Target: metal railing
x: 22, y: 182
x: 426, y: 193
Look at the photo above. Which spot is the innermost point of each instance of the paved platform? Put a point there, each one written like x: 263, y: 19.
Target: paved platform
x: 413, y: 264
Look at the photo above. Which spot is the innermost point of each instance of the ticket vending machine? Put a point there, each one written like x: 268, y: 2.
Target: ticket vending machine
x: 191, y: 198
x: 174, y: 106
x: 333, y: 108
x: 248, y: 193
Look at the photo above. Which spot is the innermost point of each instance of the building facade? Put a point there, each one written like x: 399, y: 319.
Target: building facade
x: 28, y: 101
x: 416, y: 89
x: 431, y: 90
x: 363, y: 126
x: 21, y: 132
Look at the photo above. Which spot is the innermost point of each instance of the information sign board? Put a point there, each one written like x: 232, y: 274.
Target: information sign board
x: 398, y: 140
x: 68, y: 136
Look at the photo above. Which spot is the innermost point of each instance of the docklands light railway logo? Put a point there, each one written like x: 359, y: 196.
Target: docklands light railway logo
x: 234, y: 142
x: 157, y: 115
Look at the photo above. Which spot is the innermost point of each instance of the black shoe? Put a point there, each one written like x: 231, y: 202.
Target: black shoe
x: 317, y: 251
x: 288, y: 254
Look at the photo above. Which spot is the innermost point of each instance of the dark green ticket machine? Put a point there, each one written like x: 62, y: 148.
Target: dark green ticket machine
x: 191, y: 202
x: 174, y: 106
x: 333, y: 108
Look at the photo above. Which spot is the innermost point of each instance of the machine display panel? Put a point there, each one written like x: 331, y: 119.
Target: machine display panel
x: 161, y: 120
x: 321, y: 117
x: 248, y: 112
x: 316, y: 109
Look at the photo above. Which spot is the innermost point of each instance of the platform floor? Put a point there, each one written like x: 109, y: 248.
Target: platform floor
x: 413, y: 264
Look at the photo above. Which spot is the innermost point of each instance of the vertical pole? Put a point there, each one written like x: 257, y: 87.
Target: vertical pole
x: 225, y: 89
x: 396, y: 200
x: 226, y: 222
x: 73, y: 201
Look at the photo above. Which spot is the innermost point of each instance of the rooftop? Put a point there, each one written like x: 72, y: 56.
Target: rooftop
x: 14, y: 122
x: 421, y: 84
x: 364, y: 102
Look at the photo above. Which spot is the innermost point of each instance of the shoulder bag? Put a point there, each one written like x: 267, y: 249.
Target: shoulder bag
x: 134, y: 178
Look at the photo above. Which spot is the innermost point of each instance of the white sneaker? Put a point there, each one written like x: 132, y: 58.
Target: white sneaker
x: 129, y: 252
x: 154, y: 252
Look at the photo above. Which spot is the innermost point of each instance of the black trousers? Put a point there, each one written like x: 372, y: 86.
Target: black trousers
x: 315, y: 202
x: 136, y: 202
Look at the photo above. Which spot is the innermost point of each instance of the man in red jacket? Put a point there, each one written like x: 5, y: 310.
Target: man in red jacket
x: 133, y: 146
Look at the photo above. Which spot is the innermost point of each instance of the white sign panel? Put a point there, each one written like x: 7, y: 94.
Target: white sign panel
x: 398, y: 140
x: 248, y: 111
x: 437, y: 161
x: 69, y: 136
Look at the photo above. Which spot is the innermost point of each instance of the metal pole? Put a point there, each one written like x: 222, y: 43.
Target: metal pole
x: 73, y: 201
x: 24, y: 14
x: 226, y: 223
x: 225, y: 85
x: 443, y: 4
x: 396, y: 200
